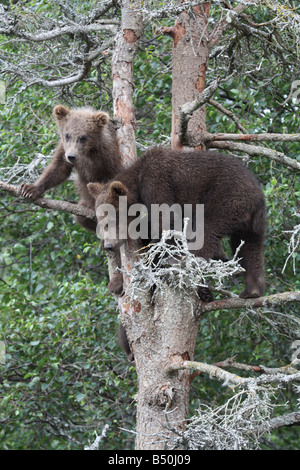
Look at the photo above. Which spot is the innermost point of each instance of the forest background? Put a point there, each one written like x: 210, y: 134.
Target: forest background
x: 64, y: 376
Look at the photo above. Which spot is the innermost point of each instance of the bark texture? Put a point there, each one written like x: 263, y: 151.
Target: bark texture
x: 123, y: 81
x: 160, y: 333
x: 163, y: 332
x: 190, y: 60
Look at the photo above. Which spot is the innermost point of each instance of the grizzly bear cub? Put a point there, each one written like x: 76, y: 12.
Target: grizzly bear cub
x: 234, y: 204
x: 88, y: 145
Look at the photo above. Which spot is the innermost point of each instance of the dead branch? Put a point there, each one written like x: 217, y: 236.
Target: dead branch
x: 230, y: 362
x: 258, y: 151
x: 230, y: 378
x: 52, y: 204
x: 228, y: 113
x: 290, y: 419
x: 266, y: 301
x: 186, y: 111
x: 207, y: 137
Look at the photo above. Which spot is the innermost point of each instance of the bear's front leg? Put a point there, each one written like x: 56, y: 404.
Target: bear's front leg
x: 30, y: 191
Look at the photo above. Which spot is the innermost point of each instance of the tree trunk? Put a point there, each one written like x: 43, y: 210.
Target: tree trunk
x: 190, y: 60
x: 162, y: 332
x: 123, y: 81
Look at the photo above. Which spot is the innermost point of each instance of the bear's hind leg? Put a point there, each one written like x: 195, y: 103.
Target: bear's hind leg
x: 252, y: 261
x: 212, y: 249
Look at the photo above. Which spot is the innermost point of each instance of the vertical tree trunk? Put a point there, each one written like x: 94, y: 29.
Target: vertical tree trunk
x: 190, y: 60
x: 160, y: 333
x: 123, y: 81
x: 165, y: 331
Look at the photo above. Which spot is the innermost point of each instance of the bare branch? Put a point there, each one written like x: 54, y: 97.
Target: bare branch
x: 293, y: 245
x: 230, y: 378
x: 58, y: 53
x: 237, y: 424
x: 291, y: 419
x: 95, y: 444
x: 56, y: 32
x: 226, y: 21
x: 254, y: 150
x: 207, y: 137
x: 266, y: 301
x: 186, y: 111
x: 53, y: 204
x: 228, y: 113
x: 230, y: 362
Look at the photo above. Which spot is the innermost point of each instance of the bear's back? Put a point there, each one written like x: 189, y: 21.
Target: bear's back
x: 174, y: 176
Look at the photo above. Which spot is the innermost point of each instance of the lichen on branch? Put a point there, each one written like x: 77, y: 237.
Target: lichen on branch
x: 170, y: 262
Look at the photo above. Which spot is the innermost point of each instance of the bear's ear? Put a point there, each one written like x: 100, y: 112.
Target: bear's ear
x: 101, y: 118
x: 60, y: 112
x: 95, y: 189
x: 117, y: 189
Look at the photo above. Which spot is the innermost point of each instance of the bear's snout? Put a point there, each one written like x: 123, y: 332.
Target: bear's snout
x: 71, y: 157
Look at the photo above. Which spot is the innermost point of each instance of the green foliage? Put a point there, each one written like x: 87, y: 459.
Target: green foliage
x: 64, y: 376
x: 63, y: 366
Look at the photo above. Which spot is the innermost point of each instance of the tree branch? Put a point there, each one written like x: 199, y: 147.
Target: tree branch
x: 258, y: 151
x: 186, y: 111
x: 228, y: 113
x: 290, y: 419
x: 231, y: 378
x: 230, y: 362
x: 52, y: 204
x: 56, y: 32
x: 207, y: 137
x: 225, y: 23
x: 266, y: 301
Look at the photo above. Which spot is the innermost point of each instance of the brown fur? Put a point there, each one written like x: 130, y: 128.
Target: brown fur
x: 233, y: 201
x: 89, y: 146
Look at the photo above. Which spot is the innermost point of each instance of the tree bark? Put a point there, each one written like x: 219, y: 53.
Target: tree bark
x: 160, y: 334
x: 164, y: 332
x: 127, y: 41
x: 190, y: 60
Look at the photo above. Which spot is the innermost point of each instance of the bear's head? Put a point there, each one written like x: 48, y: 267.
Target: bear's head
x: 111, y: 211
x: 82, y: 131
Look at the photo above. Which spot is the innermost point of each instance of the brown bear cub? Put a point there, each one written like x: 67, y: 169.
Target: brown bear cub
x: 234, y: 204
x: 88, y: 145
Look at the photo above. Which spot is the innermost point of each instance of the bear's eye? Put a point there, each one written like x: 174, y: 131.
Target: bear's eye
x: 67, y: 136
x: 83, y: 139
